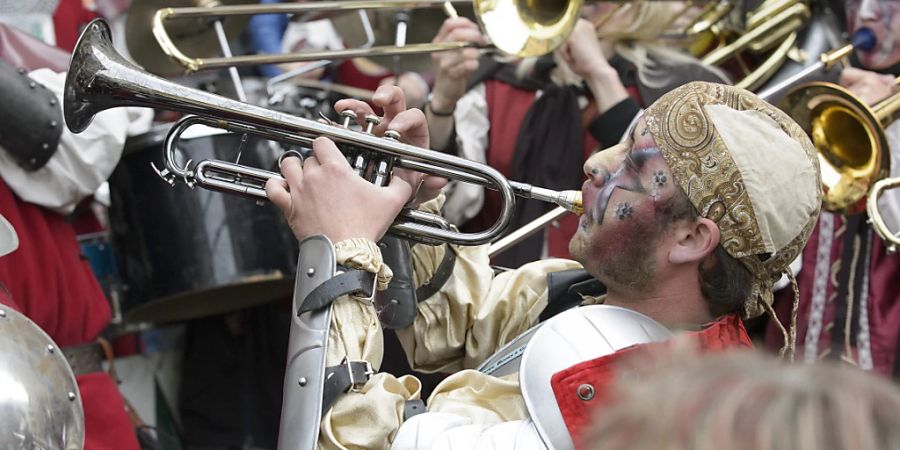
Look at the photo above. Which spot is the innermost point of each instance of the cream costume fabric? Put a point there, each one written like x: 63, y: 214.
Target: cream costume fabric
x: 742, y: 163
x: 473, y: 314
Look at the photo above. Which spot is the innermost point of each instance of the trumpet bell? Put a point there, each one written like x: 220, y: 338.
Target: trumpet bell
x: 100, y: 79
x: 852, y: 148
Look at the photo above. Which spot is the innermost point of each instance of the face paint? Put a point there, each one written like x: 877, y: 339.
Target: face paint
x: 624, y: 196
x: 629, y: 177
x: 883, y: 18
x: 660, y: 178
x: 624, y: 210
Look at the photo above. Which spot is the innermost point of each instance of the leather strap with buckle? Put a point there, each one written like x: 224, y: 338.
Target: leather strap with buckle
x: 84, y: 358
x: 344, y: 378
x: 350, y: 282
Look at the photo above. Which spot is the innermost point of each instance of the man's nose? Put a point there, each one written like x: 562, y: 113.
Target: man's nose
x: 603, y: 162
x: 869, y: 10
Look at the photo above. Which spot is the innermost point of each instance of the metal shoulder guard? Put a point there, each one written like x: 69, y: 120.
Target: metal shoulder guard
x: 30, y: 118
x: 40, y: 406
x: 310, y: 388
x: 571, y: 337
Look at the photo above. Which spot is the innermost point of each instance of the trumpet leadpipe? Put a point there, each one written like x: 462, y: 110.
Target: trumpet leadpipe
x: 569, y: 200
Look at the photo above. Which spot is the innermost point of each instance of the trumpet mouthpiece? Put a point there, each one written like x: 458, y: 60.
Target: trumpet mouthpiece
x: 864, y: 39
x: 571, y: 200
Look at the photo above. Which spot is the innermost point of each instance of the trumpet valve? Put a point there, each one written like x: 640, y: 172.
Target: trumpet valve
x: 371, y: 123
x: 359, y: 164
x: 347, y: 115
x: 382, y: 173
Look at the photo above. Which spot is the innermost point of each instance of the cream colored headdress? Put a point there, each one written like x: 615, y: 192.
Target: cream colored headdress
x: 747, y: 166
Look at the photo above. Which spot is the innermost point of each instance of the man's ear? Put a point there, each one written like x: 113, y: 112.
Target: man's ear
x: 694, y: 240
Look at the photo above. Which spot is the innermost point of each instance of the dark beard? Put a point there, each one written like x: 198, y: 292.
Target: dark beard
x: 629, y: 263
x: 633, y: 270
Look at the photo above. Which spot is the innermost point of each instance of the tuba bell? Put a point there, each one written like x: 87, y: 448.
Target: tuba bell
x: 849, y: 137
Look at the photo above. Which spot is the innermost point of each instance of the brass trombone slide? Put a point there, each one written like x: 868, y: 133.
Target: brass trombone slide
x: 524, y: 29
x: 99, y: 79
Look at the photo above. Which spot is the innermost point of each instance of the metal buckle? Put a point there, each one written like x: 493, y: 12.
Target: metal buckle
x: 354, y: 384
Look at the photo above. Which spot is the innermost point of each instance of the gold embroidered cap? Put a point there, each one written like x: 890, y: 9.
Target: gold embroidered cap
x: 747, y: 166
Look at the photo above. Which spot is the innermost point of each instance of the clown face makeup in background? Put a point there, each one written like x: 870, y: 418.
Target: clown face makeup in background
x: 628, y: 189
x: 883, y: 18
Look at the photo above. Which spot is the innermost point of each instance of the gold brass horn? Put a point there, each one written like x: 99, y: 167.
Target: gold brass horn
x: 771, y: 32
x: 521, y: 28
x: 849, y: 137
x: 99, y: 79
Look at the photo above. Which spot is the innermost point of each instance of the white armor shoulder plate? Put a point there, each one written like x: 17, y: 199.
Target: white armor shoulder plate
x: 574, y: 336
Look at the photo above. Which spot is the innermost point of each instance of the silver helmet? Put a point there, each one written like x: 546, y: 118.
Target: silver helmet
x: 40, y: 408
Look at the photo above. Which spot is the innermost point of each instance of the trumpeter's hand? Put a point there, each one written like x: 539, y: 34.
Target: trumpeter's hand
x: 323, y: 195
x: 870, y: 87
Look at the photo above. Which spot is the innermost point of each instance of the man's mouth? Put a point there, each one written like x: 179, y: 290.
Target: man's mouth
x: 587, y: 196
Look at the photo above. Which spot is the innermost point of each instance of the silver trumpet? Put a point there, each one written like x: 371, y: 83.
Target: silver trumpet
x: 99, y: 78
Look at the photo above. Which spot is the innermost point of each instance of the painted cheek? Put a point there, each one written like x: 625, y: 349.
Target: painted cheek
x: 619, y: 237
x: 622, y: 206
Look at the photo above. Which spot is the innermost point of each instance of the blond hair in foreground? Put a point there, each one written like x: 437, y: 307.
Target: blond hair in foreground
x: 747, y: 401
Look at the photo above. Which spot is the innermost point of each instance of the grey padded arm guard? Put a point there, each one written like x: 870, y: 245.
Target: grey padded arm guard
x: 30, y: 118
x: 310, y: 388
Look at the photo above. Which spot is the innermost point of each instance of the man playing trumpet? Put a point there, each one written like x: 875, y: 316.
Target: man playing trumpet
x: 688, y: 221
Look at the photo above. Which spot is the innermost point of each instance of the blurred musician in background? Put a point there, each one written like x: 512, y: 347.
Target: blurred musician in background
x: 277, y: 33
x: 46, y: 171
x: 850, y: 302
x: 538, y: 120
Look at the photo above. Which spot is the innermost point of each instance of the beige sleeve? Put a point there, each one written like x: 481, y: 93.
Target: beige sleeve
x: 475, y: 312
x: 370, y: 417
x: 472, y: 315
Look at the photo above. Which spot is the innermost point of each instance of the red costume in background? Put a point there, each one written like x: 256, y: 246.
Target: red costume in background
x: 507, y: 106
x: 567, y: 135
x: 53, y: 285
x: 47, y: 278
x: 849, y: 298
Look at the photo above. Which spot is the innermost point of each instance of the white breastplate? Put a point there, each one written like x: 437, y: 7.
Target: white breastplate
x: 574, y: 336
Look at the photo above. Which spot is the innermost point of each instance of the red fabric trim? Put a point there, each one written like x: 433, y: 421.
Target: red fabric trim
x: 47, y: 277
x: 351, y: 75
x: 106, y: 425
x: 725, y: 333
